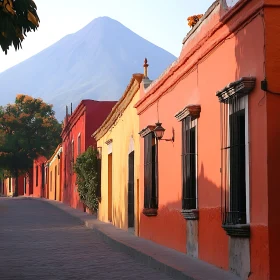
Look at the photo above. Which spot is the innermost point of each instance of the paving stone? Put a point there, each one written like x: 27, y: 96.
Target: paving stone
x: 39, y: 241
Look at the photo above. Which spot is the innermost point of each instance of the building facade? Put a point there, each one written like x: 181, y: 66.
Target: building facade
x: 40, y: 177
x: 76, y: 138
x: 54, y: 173
x: 208, y: 186
x: 8, y: 186
x: 118, y: 144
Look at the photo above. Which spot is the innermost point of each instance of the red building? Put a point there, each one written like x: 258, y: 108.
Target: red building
x: 40, y: 177
x: 212, y: 189
x: 76, y: 138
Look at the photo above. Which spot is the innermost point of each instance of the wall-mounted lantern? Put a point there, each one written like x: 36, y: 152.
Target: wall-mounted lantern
x: 159, y: 132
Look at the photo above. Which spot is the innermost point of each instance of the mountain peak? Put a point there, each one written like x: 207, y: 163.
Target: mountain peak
x: 94, y: 63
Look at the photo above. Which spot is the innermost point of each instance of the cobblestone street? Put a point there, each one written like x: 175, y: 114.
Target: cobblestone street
x: 39, y: 241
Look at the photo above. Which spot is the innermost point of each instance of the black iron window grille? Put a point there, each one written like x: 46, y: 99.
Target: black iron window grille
x: 234, y: 146
x: 10, y: 184
x: 150, y: 172
x: 36, y: 175
x: 189, y: 164
x: 233, y: 161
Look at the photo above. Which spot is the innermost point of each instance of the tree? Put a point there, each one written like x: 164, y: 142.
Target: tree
x: 88, y: 177
x: 28, y: 129
x: 17, y: 17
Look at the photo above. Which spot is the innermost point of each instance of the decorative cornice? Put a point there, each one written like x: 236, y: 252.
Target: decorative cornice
x: 145, y: 131
x: 190, y: 110
x: 240, y: 88
x: 121, y: 105
x: 108, y: 142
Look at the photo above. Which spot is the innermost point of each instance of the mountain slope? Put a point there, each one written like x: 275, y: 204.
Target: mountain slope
x: 95, y: 62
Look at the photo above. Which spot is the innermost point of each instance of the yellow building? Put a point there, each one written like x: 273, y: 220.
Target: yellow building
x: 54, y: 170
x: 118, y: 143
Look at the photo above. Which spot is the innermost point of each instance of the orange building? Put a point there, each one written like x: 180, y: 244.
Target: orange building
x: 209, y: 185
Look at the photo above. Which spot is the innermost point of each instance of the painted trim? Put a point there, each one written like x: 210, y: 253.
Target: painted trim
x: 241, y: 87
x: 109, y: 144
x: 121, y: 105
x: 145, y: 131
x: 131, y: 147
x: 189, y: 110
x: 247, y: 154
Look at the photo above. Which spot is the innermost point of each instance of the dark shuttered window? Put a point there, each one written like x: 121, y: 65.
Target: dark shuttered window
x: 150, y: 172
x: 189, y: 164
x: 234, y: 155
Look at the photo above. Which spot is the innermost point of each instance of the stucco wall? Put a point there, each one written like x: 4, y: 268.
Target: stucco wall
x: 54, y: 179
x: 232, y: 51
x: 125, y: 138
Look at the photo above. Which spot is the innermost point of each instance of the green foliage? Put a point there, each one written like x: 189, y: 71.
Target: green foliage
x: 28, y: 128
x: 86, y: 168
x: 17, y: 17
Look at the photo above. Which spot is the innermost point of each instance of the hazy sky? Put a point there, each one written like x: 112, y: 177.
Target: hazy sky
x: 162, y: 22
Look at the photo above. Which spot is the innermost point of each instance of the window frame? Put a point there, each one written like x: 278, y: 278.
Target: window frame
x: 151, y: 192
x: 79, y: 143
x: 192, y: 124
x: 243, y: 105
x: 37, y: 175
x: 236, y: 90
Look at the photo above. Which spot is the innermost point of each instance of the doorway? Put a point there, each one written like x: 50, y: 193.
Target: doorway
x: 55, y: 176
x: 131, y: 190
x: 110, y: 181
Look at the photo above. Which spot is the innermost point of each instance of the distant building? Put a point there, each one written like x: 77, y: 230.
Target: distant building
x: 8, y: 186
x: 40, y: 177
x: 54, y: 174
x: 76, y: 138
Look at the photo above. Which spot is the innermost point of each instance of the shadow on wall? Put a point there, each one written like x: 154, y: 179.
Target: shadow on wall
x: 249, y: 59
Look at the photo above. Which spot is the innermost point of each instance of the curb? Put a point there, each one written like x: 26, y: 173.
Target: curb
x: 171, y: 262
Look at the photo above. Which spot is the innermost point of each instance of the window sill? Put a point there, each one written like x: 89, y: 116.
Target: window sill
x: 149, y: 212
x: 239, y: 230
x: 190, y: 214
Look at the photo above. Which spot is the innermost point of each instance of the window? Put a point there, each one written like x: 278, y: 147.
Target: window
x: 189, y: 118
x: 189, y: 164
x: 234, y: 159
x: 43, y: 175
x: 150, y: 172
x: 24, y: 185
x: 72, y: 155
x: 10, y: 184
x: 50, y: 181
x: 235, y: 156
x: 79, y: 144
x: 36, y: 175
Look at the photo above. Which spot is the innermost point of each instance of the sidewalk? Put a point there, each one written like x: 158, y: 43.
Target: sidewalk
x: 173, y: 263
